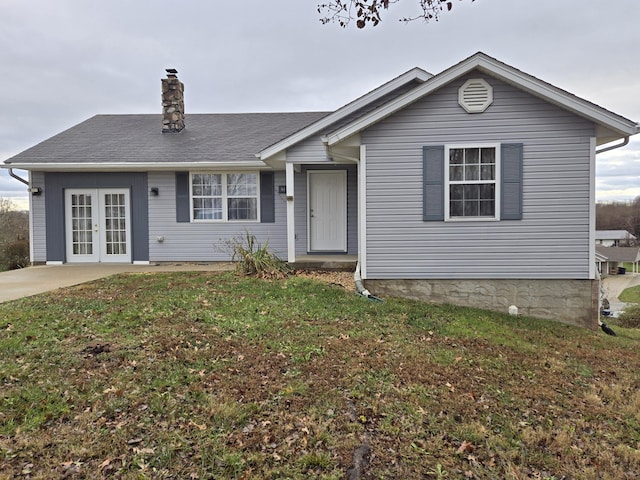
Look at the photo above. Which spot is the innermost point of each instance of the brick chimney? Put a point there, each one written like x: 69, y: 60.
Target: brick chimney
x: 172, y: 103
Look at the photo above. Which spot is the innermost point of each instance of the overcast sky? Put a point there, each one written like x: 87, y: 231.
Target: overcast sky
x: 64, y: 61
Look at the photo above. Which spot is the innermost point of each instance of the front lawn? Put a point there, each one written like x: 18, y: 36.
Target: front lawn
x: 630, y: 295
x: 205, y: 375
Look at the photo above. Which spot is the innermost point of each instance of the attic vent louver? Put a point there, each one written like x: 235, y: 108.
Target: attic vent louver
x: 475, y: 95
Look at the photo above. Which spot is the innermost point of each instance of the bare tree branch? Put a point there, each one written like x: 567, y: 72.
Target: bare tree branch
x: 369, y: 12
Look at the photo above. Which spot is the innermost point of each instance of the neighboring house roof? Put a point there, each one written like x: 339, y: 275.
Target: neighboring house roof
x: 126, y: 141
x: 614, y: 235
x: 619, y: 254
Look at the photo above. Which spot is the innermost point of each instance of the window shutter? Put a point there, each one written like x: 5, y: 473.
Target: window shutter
x: 433, y: 183
x: 511, y: 175
x: 182, y: 197
x: 267, y: 198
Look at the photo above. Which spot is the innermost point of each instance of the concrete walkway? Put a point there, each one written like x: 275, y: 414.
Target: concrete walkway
x: 614, y: 285
x: 30, y: 281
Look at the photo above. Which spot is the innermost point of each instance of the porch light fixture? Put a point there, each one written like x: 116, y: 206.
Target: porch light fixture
x: 155, y: 191
x: 35, y: 191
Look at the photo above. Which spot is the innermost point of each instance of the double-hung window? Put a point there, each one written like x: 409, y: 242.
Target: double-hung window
x: 224, y: 196
x: 472, y: 182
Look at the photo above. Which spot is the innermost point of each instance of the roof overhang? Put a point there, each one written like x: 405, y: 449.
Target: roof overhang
x: 136, y: 166
x: 610, y: 126
x: 600, y: 257
x: 317, y: 127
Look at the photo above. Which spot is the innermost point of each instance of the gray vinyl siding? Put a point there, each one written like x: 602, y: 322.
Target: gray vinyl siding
x: 38, y: 218
x: 205, y: 241
x: 311, y: 150
x: 300, y: 206
x: 551, y: 240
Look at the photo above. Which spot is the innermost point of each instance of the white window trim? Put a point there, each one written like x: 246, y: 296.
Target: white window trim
x: 447, y: 199
x: 225, y: 209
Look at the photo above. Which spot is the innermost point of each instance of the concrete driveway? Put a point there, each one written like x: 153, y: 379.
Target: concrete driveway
x: 614, y: 285
x: 30, y: 281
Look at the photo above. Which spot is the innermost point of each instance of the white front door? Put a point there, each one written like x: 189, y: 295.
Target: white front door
x: 327, y: 206
x: 98, y: 225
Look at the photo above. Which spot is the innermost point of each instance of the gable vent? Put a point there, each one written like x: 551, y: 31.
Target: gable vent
x: 475, y: 95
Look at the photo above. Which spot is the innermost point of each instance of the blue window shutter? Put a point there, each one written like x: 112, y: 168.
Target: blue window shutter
x: 182, y: 197
x: 267, y: 198
x: 511, y: 175
x: 433, y: 183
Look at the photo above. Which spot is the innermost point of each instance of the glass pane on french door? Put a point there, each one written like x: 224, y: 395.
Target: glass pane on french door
x: 115, y: 224
x: 82, y: 224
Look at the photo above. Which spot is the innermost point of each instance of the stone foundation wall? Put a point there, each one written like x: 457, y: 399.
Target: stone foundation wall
x: 569, y: 301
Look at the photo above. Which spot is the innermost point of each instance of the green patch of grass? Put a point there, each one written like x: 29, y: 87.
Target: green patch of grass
x: 202, y: 375
x: 630, y: 295
x: 315, y: 460
x: 31, y: 407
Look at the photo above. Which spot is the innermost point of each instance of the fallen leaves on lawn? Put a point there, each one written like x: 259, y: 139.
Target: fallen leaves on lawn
x: 338, y: 278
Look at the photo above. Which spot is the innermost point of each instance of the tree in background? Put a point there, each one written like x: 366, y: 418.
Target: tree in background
x: 619, y: 216
x: 14, y: 236
x: 369, y: 12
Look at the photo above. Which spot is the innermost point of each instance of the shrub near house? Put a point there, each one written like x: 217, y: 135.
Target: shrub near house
x: 14, y: 237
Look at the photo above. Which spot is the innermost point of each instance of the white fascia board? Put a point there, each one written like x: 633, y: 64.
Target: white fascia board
x: 413, y: 74
x: 503, y: 72
x: 136, y: 166
x: 559, y: 97
x: 397, y: 104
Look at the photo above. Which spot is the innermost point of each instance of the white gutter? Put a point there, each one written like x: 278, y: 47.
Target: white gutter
x: 136, y: 166
x: 625, y: 141
x: 361, y: 268
x: 17, y: 177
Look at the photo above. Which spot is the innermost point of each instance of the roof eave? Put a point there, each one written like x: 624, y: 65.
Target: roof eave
x: 135, y: 166
x: 559, y: 97
x: 613, y: 122
x: 411, y: 75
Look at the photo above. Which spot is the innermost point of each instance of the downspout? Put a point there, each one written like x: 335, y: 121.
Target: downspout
x: 357, y: 277
x: 625, y: 141
x: 360, y: 287
x: 605, y: 328
x: 20, y: 179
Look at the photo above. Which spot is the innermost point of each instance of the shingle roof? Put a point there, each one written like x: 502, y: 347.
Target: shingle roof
x: 614, y: 235
x: 229, y: 138
x: 619, y: 254
x: 139, y: 138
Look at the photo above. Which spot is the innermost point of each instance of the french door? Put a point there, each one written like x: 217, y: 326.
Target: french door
x: 98, y: 225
